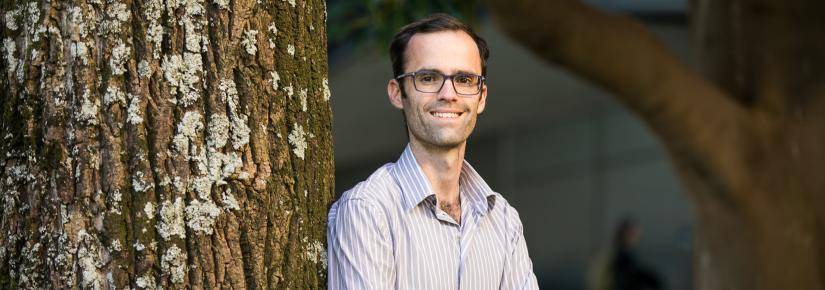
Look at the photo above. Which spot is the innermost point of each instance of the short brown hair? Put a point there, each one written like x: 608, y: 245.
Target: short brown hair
x: 434, y: 23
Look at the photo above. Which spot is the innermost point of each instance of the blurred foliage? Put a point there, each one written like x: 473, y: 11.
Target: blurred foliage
x: 355, y: 23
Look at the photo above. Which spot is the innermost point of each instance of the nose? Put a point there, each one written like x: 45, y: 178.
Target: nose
x: 448, y: 92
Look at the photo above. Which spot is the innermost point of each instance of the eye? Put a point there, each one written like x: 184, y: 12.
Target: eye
x: 427, y: 77
x: 464, y: 79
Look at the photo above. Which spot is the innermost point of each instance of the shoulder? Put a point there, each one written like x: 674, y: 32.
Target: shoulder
x: 378, y: 191
x: 504, y: 211
x: 377, y: 187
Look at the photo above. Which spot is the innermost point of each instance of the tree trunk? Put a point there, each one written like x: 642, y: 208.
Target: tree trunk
x: 769, y: 57
x: 746, y: 138
x: 164, y: 144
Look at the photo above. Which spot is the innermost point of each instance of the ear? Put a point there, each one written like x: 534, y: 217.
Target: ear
x: 482, y: 102
x: 394, y: 92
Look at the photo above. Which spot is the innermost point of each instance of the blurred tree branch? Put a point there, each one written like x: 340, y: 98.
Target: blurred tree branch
x: 618, y: 53
x: 371, y: 22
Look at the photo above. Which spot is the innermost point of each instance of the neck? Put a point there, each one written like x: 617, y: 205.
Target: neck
x: 442, y: 166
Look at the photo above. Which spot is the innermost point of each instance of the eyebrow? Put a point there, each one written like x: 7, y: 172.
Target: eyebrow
x: 442, y: 72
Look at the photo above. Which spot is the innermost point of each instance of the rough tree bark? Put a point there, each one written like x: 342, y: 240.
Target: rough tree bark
x: 164, y: 144
x: 746, y: 137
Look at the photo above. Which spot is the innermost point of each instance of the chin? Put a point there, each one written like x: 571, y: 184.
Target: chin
x: 445, y: 138
x: 447, y: 142
x: 447, y: 145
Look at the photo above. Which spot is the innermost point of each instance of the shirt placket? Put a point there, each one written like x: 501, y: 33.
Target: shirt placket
x: 455, y: 232
x: 467, y: 229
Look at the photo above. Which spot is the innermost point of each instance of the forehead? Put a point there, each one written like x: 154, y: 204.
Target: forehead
x: 446, y: 51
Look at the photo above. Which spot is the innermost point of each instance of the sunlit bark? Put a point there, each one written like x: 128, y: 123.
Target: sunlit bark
x: 173, y: 144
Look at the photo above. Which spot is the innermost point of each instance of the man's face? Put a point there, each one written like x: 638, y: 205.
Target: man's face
x: 443, y: 119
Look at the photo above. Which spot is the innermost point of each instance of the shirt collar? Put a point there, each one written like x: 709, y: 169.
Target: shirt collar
x: 415, y: 187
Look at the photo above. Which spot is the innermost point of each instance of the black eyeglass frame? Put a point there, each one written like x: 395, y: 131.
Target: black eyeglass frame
x: 481, y: 81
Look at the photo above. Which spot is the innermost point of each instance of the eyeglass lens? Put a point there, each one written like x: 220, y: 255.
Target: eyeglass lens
x: 431, y: 82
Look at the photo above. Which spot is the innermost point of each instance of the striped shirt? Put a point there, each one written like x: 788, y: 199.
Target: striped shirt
x: 388, y: 233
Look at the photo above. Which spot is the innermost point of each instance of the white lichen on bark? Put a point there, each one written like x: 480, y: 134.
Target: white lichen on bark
x: 115, y: 246
x: 273, y: 31
x: 223, y: 4
x: 275, y: 78
x: 120, y: 54
x: 218, y: 131
x: 191, y: 21
x: 173, y: 264
x: 87, y: 113
x: 78, y: 50
x: 230, y: 162
x: 28, y: 274
x: 171, y: 220
x: 229, y: 201
x: 146, y: 281
x: 116, y: 14
x: 194, y: 41
x: 11, y: 19
x: 297, y: 138
x: 143, y: 69
x: 250, y: 41
x: 315, y: 252
x: 189, y: 128
x: 149, y: 210
x: 138, y: 246
x: 178, y: 185
x: 200, y: 216
x: 78, y: 23
x: 327, y: 93
x: 116, y: 199
x: 183, y: 74
x: 240, y: 129
x: 302, y: 96
x: 215, y: 167
x: 133, y: 112
x: 33, y: 20
x: 89, y: 260
x: 152, y: 10
x: 94, y: 159
x: 290, y: 49
x: 140, y: 183
x: 202, y: 185
x: 289, y: 91
x: 9, y: 49
x: 113, y: 95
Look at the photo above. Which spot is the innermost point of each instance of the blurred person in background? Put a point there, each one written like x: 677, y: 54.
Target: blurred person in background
x: 621, y: 269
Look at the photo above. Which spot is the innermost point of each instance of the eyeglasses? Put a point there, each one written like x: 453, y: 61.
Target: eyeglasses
x: 427, y: 81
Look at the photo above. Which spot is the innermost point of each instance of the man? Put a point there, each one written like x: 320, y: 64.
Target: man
x: 429, y: 221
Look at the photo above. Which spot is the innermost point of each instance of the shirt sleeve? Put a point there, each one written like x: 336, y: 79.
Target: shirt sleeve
x: 360, y: 248
x: 518, y: 268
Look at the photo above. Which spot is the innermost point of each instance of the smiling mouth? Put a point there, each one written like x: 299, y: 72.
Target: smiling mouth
x: 446, y: 115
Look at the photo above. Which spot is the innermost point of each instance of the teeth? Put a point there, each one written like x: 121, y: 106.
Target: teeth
x: 445, y: 115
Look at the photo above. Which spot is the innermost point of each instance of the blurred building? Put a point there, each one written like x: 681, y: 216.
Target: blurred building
x: 563, y: 152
